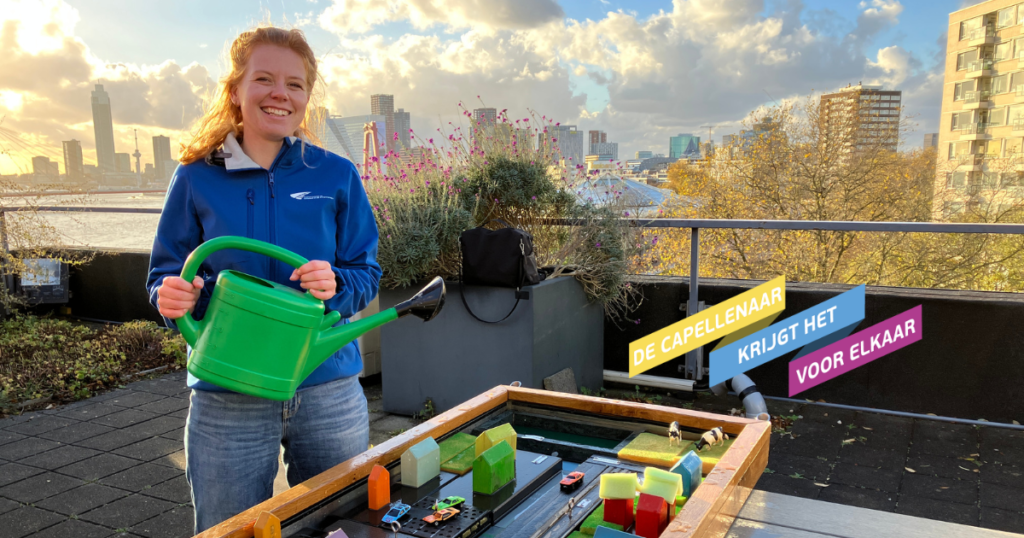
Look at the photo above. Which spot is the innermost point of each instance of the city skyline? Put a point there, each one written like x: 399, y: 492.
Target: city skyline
x: 521, y: 60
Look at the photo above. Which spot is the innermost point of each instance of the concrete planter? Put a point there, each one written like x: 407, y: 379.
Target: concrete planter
x: 455, y: 357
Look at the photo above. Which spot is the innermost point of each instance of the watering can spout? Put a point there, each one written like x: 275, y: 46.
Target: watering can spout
x: 426, y: 304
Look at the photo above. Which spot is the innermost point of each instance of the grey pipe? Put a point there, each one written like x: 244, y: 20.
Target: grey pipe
x: 753, y: 401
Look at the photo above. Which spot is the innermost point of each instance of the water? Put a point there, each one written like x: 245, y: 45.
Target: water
x: 568, y: 437
x: 104, y: 230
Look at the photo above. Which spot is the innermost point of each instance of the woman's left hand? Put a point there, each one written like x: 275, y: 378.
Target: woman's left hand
x: 317, y: 277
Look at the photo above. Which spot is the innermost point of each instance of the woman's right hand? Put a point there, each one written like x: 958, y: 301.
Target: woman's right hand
x: 177, y: 297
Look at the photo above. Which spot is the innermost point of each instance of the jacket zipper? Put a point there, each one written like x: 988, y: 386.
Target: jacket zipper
x: 251, y: 196
x: 272, y: 214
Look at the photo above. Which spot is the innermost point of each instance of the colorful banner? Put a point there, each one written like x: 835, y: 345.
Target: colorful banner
x: 853, y: 351
x: 837, y: 316
x: 763, y: 302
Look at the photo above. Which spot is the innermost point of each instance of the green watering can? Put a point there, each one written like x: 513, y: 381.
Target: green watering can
x: 262, y: 338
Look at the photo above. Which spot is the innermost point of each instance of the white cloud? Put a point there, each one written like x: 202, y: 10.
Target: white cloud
x: 360, y: 16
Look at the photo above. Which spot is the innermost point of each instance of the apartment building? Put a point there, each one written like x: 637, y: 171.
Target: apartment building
x: 862, y: 117
x: 982, y: 123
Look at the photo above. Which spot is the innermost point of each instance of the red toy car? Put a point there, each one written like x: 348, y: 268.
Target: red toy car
x: 436, y: 518
x: 572, y: 481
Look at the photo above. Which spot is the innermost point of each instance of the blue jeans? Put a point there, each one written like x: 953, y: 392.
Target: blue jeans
x: 232, y: 443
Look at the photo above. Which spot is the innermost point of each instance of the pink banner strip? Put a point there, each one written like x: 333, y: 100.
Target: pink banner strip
x: 855, y: 350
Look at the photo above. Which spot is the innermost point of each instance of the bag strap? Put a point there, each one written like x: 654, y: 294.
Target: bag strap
x: 462, y: 294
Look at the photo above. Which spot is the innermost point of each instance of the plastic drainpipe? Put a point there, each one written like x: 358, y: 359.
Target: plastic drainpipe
x: 747, y: 391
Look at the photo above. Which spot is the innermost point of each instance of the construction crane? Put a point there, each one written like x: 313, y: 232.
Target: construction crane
x: 709, y: 128
x: 137, y: 155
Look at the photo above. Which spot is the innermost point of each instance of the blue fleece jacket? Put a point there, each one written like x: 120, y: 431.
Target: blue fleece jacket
x: 310, y: 202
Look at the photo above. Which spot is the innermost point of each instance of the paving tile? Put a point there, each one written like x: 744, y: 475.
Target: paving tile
x: 881, y: 421
x: 809, y: 446
x: 150, y: 449
x: 6, y: 505
x: 76, y: 432
x: 942, y: 466
x: 167, y: 405
x: 89, y: 412
x: 938, y: 488
x: 39, y: 487
x: 134, y: 399
x: 157, y: 426
x: 73, y: 528
x: 98, y: 467
x: 827, y: 415
x: 859, y: 454
x: 40, y: 424
x: 176, y: 523
x: 123, y: 419
x: 140, y: 476
x: 175, y: 490
x: 788, y: 464
x: 1012, y: 455
x: 13, y: 472
x: 164, y: 386
x: 23, y: 448
x: 964, y: 514
x: 8, y: 436
x: 785, y: 485
x: 175, y: 460
x: 179, y: 414
x: 1002, y: 520
x: 82, y: 499
x: 866, y: 477
x: 26, y: 520
x: 944, y: 438
x: 127, y: 511
x: 114, y: 439
x: 1004, y: 497
x: 828, y: 430
x: 864, y: 498
x: 1001, y: 438
x: 106, y: 396
x: 59, y: 457
x: 881, y: 431
x: 997, y: 473
x: 176, y: 435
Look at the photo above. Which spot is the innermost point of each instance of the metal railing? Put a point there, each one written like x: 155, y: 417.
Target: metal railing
x: 973, y: 128
x: 980, y: 65
x: 980, y: 33
x: 978, y: 96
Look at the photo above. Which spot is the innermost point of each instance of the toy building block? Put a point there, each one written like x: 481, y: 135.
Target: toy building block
x: 653, y: 449
x: 267, y: 526
x: 596, y: 519
x: 421, y: 463
x: 462, y: 463
x: 618, y: 486
x: 689, y: 468
x: 494, y: 436
x: 379, y: 488
x: 651, y: 516
x: 605, y: 532
x: 455, y: 445
x: 619, y: 512
x: 664, y: 484
x: 494, y: 468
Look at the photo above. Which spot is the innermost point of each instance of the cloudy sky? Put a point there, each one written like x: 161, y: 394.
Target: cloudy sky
x: 641, y: 70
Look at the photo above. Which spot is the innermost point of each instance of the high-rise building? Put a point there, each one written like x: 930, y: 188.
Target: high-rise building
x: 123, y: 163
x: 43, y: 167
x: 73, y: 162
x: 103, y: 127
x: 384, y: 105
x: 567, y: 139
x: 641, y: 155
x: 684, y: 146
x: 161, y: 154
x: 403, y: 122
x: 483, y: 121
x: 605, y: 148
x: 344, y: 135
x: 597, y: 137
x: 861, y: 117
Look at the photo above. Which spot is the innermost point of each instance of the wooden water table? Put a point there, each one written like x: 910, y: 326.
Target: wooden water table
x: 555, y: 433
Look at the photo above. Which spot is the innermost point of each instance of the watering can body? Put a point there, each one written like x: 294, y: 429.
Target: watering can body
x: 262, y: 338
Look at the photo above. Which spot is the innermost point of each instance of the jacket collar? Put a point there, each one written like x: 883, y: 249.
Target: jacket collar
x: 235, y: 159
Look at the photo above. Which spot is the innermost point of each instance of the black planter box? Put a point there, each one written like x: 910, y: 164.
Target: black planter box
x: 454, y: 357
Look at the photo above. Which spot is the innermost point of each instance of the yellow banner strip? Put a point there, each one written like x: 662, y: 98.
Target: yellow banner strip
x: 763, y: 302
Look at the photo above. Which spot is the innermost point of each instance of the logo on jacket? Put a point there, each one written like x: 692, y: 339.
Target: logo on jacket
x: 307, y: 196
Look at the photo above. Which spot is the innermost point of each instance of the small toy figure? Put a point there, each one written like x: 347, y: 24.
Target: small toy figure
x: 572, y: 481
x: 675, y: 434
x: 451, y: 501
x: 440, y: 516
x: 711, y: 438
x: 397, y: 511
x: 572, y: 504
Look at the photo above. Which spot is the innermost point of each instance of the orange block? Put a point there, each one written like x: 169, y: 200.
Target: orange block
x: 379, y: 488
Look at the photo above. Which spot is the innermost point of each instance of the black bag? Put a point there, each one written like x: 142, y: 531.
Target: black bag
x: 502, y: 258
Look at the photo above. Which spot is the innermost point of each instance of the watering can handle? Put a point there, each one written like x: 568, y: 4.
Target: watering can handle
x: 187, y: 324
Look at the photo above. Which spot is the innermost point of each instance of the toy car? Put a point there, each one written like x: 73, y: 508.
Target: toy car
x: 452, y: 501
x: 440, y: 516
x: 397, y: 511
x: 572, y: 481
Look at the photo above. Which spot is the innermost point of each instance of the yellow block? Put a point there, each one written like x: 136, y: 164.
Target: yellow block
x: 765, y: 301
x: 653, y: 450
x: 495, y: 435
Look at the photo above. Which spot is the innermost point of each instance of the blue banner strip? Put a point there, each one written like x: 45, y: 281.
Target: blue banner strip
x: 841, y: 313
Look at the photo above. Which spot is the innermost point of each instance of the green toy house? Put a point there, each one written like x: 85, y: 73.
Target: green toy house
x: 494, y: 468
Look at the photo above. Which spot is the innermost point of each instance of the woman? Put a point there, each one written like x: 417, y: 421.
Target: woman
x: 266, y: 182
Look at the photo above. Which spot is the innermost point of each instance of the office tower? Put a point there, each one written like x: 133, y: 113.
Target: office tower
x: 161, y: 154
x: 344, y: 135
x: 483, y: 121
x: 596, y: 137
x: 384, y: 105
x: 403, y: 122
x: 43, y: 167
x: 103, y: 127
x: 861, y: 117
x: 641, y: 155
x: 567, y: 139
x: 122, y: 163
x: 684, y: 146
x: 931, y: 140
x: 73, y: 162
x: 605, y: 148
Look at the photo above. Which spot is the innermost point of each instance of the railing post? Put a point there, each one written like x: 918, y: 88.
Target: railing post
x: 694, y: 359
